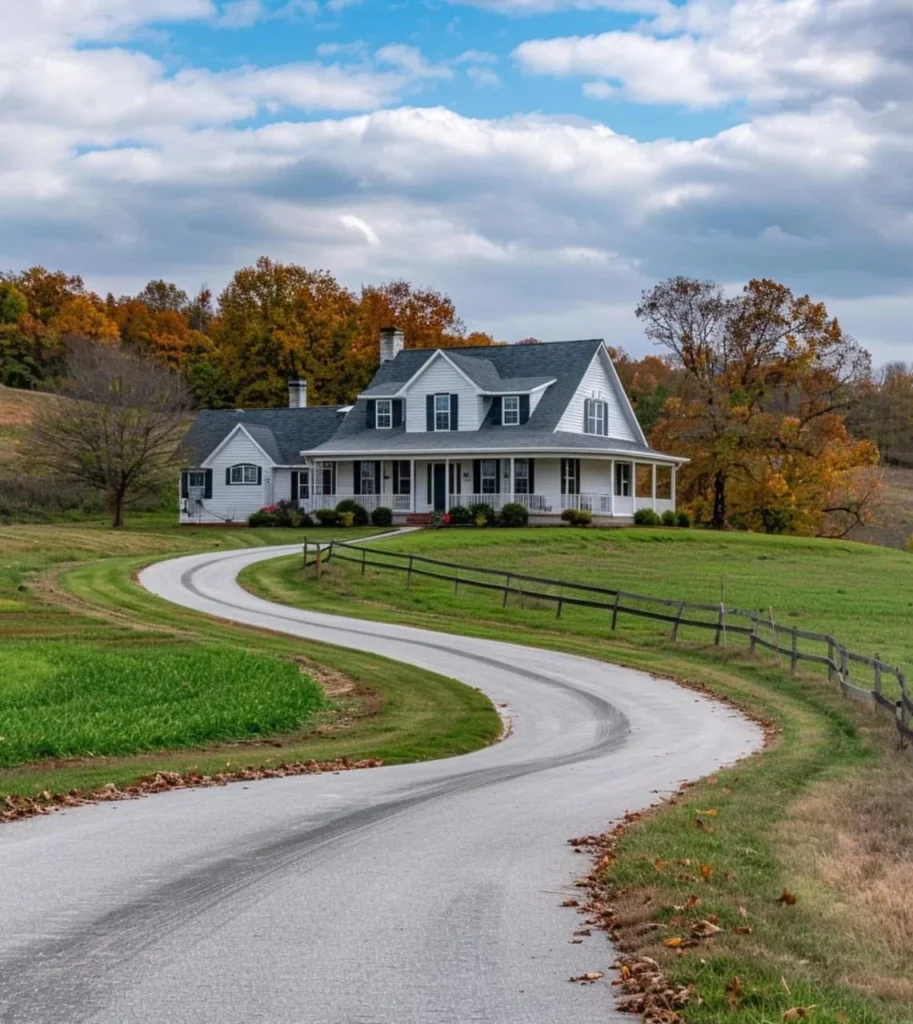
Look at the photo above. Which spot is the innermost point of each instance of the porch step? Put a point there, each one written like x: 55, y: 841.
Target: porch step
x: 419, y: 519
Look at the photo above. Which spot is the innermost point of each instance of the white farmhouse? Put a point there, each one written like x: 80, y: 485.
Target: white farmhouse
x: 546, y: 425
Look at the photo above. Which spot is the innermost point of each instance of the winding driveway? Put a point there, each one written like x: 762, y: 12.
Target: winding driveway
x: 414, y: 894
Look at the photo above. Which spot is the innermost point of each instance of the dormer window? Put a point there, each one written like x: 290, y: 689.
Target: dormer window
x: 442, y: 412
x: 596, y: 420
x: 384, y: 413
x: 510, y: 415
x: 244, y: 475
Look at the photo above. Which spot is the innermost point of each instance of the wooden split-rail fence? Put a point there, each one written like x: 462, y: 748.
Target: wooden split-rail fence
x: 858, y: 676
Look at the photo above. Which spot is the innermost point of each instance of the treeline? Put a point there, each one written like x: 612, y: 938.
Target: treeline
x: 272, y: 322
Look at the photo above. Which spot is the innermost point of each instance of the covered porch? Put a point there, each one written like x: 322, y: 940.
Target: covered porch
x: 608, y: 487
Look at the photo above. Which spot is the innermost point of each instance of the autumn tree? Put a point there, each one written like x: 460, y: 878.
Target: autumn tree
x: 85, y: 316
x: 278, y: 321
x: 120, y: 435
x: 164, y: 297
x: 767, y: 377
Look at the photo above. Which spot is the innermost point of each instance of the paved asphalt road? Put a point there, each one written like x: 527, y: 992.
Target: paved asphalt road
x: 415, y: 894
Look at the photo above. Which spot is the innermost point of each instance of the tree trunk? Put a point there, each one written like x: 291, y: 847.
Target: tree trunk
x: 718, y: 520
x: 118, y: 511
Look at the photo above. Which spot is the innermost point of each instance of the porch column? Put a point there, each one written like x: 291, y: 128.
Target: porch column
x: 674, y: 495
x: 654, y: 486
x: 512, y: 479
x: 412, y: 484
x: 611, y: 487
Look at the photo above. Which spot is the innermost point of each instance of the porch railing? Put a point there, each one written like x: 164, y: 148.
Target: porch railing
x: 397, y: 502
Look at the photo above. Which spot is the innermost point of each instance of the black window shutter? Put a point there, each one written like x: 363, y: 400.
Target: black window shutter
x: 295, y: 486
x: 524, y: 408
x: 185, y: 485
x: 496, y: 411
x: 395, y: 472
x: 228, y: 475
x: 476, y: 476
x: 378, y: 477
x: 532, y: 476
x: 259, y: 475
x: 397, y: 412
x: 497, y: 476
x: 429, y: 412
x: 371, y: 414
x: 576, y: 476
x: 207, y: 486
x: 564, y: 476
x: 356, y: 478
x: 454, y: 412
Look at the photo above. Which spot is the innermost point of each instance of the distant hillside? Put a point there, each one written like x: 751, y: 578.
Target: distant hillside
x: 17, y: 411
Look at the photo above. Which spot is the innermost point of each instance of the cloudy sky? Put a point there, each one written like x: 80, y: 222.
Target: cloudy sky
x: 542, y: 161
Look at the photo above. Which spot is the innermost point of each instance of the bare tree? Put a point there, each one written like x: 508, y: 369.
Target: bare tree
x: 121, y: 433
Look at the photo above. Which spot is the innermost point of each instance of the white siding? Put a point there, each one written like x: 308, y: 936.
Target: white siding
x: 234, y: 502
x: 535, y: 398
x: 548, y: 476
x: 441, y: 378
x: 595, y: 476
x: 597, y: 383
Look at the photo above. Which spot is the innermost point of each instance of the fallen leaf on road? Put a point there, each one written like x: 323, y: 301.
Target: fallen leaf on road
x: 588, y: 978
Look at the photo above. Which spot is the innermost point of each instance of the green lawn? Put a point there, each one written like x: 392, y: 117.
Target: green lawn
x: 825, y: 812
x: 102, y: 682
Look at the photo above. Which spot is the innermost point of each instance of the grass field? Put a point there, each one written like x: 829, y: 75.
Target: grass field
x: 826, y: 812
x: 101, y: 682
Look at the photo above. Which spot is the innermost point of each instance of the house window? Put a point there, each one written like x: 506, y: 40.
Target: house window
x: 521, y: 476
x: 510, y: 414
x: 244, y: 475
x: 442, y: 412
x: 384, y: 414
x: 489, y: 476
x: 597, y: 417
x: 570, y: 476
x: 456, y: 483
x: 368, y: 478
x: 326, y: 477
x: 623, y: 479
x: 196, y: 479
x: 403, y: 471
x: 304, y: 485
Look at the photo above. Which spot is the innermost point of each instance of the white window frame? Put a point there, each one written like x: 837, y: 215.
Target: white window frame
x: 196, y: 478
x: 323, y: 468
x: 514, y: 420
x: 368, y: 478
x: 239, y: 475
x: 403, y: 469
x: 304, y: 484
x: 439, y: 411
x: 490, y: 477
x: 383, y: 411
x: 518, y: 479
x: 624, y: 473
x: 570, y: 484
x: 597, y: 417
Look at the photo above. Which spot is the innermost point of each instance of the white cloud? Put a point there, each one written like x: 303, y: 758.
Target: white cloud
x: 409, y: 59
x: 485, y: 78
x: 240, y: 14
x: 521, y: 7
x: 349, y: 220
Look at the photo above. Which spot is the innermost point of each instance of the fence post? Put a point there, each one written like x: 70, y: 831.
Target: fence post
x: 560, y: 606
x: 721, y: 625
x: 456, y: 582
x: 678, y: 619
x: 830, y: 659
x: 615, y: 611
x: 506, y: 592
x: 904, y: 720
x: 794, y: 653
x: 317, y: 564
x: 304, y: 554
x: 877, y: 672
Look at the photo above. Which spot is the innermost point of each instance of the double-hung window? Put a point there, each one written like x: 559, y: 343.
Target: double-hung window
x: 369, y: 479
x: 244, y: 475
x: 623, y: 479
x: 570, y: 476
x: 304, y: 484
x: 326, y: 475
x: 403, y: 471
x: 384, y: 414
x: 597, y: 417
x: 196, y: 479
x: 442, y: 412
x: 521, y: 476
x: 510, y: 410
x: 489, y: 476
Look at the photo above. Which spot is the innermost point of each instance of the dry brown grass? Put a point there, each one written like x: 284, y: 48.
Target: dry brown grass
x: 19, y: 408
x: 895, y: 521
x: 851, y: 842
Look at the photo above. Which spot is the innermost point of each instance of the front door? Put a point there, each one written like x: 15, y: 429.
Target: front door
x: 439, y: 497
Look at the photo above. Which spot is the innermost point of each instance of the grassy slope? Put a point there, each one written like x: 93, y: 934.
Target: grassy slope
x: 833, y: 762
x: 378, y: 709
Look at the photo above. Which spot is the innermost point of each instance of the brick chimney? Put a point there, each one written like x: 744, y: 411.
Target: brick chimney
x: 392, y: 342
x: 297, y: 394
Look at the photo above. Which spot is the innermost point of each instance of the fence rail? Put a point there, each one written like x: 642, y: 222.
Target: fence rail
x: 761, y: 631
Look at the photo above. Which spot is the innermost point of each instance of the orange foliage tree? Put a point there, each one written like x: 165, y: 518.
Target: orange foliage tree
x: 766, y: 379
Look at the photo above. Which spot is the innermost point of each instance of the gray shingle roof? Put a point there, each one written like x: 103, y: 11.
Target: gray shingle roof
x: 282, y: 433
x: 397, y: 442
